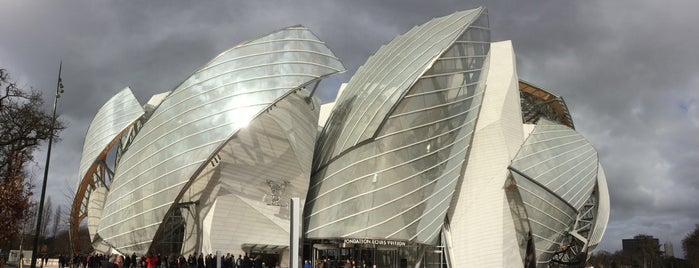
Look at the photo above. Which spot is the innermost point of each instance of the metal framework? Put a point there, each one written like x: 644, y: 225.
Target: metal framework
x: 537, y: 102
x: 99, y: 175
x: 115, y: 118
x: 574, y: 248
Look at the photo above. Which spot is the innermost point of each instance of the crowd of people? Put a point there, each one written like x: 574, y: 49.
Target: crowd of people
x: 347, y: 263
x: 195, y: 261
x: 164, y: 261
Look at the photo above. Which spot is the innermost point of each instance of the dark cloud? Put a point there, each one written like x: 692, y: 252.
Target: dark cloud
x: 627, y: 69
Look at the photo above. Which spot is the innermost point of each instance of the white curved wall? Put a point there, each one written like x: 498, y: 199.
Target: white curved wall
x: 603, y: 209
x: 481, y: 231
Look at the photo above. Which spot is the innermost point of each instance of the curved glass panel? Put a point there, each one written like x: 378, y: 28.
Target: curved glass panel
x: 246, y: 188
x: 399, y: 184
x: 549, y: 216
x: 383, y: 80
x: 561, y: 160
x: 113, y: 118
x: 200, y: 115
x: 107, y: 126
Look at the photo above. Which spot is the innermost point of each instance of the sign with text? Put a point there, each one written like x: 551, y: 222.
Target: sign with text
x: 378, y: 242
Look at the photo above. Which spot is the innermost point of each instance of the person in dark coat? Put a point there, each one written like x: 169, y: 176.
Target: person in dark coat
x: 110, y: 263
x: 258, y: 262
x: 200, y: 260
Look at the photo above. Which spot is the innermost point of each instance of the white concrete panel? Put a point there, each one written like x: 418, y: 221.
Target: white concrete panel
x: 154, y: 101
x: 206, y: 230
x: 100, y: 246
x: 480, y: 213
x: 603, y: 208
x: 527, y: 130
x: 325, y: 111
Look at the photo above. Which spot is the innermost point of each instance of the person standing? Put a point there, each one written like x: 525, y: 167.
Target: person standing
x: 247, y: 262
x: 134, y: 260
x: 127, y: 261
x: 257, y: 262
x: 191, y: 261
x: 150, y: 260
x: 200, y: 260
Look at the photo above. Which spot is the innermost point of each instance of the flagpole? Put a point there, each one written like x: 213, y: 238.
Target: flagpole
x: 59, y: 90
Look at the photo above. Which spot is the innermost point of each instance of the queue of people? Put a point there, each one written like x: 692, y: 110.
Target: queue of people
x: 163, y: 261
x: 347, y: 263
x: 229, y: 261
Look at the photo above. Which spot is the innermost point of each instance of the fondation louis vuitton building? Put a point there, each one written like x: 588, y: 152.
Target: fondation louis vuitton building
x: 434, y: 154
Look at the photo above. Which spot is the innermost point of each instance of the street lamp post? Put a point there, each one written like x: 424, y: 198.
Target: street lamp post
x: 59, y: 90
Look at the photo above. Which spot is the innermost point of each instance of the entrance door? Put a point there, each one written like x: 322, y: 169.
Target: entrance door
x: 386, y: 258
x: 335, y: 257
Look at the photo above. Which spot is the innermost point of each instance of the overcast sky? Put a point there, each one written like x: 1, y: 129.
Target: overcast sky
x: 628, y: 70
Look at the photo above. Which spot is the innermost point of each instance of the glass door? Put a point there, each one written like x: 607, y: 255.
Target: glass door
x: 386, y: 258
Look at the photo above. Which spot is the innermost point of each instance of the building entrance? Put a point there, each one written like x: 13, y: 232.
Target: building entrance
x: 357, y: 255
x: 270, y: 255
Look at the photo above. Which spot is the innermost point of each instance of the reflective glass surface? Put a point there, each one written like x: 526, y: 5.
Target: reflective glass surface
x: 561, y: 160
x: 549, y: 217
x: 201, y: 114
x: 398, y: 185
x: 386, y: 76
x: 113, y: 118
x: 561, y: 170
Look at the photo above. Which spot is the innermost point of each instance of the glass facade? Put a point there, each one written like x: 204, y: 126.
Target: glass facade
x: 422, y: 158
x: 241, y: 197
x: 556, y: 172
x: 115, y: 116
x: 549, y: 217
x: 111, y: 121
x: 561, y: 160
x: 201, y: 114
x: 398, y: 184
x: 383, y: 80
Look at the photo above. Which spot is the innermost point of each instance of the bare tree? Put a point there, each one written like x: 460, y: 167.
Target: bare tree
x: 23, y: 125
x: 47, y: 215
x: 56, y: 221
